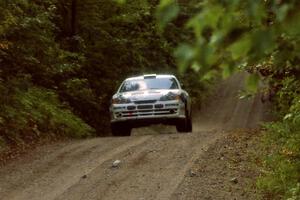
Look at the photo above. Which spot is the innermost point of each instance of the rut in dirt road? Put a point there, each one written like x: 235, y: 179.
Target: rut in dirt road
x: 226, y: 111
x: 152, y: 166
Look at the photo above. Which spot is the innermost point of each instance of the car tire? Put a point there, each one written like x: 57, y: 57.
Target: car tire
x: 185, y: 125
x: 120, y: 129
x: 189, y: 124
x: 181, y: 126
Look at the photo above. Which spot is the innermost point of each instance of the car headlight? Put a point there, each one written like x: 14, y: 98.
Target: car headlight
x: 120, y: 100
x: 170, y: 96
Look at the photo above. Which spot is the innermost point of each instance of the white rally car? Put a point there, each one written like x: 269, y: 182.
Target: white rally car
x: 150, y: 99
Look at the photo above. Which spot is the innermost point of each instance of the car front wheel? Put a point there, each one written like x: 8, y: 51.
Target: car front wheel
x: 185, y: 125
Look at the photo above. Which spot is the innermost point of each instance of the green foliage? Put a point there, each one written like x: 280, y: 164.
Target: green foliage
x: 263, y: 38
x: 2, y: 143
x: 287, y: 96
x: 167, y: 10
x: 43, y: 107
x: 283, y: 161
x: 31, y: 47
x: 61, y: 61
x: 36, y: 112
x: 240, y: 48
x: 184, y: 53
x: 32, y: 69
x: 252, y: 83
x: 241, y: 34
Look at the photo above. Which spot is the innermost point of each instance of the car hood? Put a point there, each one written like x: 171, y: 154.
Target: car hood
x: 147, y: 94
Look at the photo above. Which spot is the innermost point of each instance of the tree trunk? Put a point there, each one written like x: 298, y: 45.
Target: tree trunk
x: 74, y: 18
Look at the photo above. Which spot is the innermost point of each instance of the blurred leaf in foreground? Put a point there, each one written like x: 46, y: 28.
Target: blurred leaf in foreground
x: 167, y: 10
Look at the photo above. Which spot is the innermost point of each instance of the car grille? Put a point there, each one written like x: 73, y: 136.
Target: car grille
x: 131, y: 107
x: 159, y: 106
x: 149, y: 110
x: 145, y: 101
x: 145, y: 107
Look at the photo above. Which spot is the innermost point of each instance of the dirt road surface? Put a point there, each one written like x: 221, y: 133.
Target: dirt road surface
x: 158, y: 165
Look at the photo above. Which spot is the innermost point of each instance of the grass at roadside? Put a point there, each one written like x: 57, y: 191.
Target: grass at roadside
x: 280, y: 151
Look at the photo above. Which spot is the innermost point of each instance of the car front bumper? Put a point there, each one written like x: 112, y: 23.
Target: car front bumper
x: 158, y: 112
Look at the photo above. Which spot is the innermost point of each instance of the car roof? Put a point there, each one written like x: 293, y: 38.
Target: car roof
x: 151, y: 75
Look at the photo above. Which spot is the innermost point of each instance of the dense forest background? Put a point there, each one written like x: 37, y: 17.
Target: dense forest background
x: 61, y: 60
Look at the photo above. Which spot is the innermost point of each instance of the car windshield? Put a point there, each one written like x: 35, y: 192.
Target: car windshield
x: 149, y: 84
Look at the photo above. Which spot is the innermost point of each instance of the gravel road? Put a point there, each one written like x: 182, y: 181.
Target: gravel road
x: 153, y: 166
